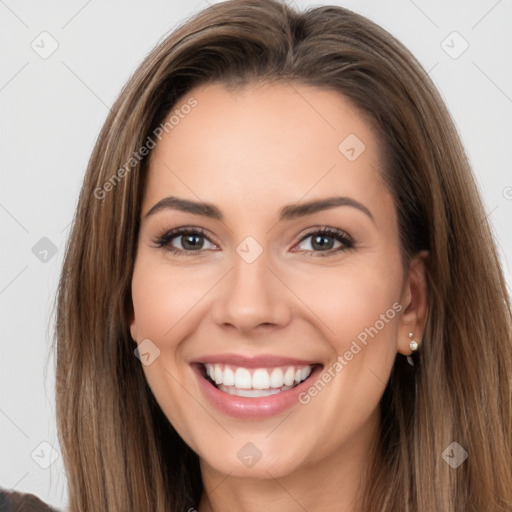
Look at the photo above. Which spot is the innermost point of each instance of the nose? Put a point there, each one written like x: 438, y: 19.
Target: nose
x: 251, y: 298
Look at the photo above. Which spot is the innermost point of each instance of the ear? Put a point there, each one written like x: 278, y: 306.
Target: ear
x: 415, y: 304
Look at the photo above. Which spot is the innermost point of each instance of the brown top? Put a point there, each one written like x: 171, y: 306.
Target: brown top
x: 13, y: 501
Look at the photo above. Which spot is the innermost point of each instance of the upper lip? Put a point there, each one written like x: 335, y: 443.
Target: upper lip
x: 261, y: 361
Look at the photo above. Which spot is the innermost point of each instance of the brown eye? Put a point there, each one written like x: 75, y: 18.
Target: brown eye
x: 327, y: 241
x: 184, y: 241
x: 191, y: 242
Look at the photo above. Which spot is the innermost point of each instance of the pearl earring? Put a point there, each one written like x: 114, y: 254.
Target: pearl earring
x: 413, y: 344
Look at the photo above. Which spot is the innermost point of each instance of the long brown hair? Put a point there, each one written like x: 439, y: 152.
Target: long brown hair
x: 120, y: 451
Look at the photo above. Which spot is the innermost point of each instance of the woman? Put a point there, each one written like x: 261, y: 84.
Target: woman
x: 281, y: 290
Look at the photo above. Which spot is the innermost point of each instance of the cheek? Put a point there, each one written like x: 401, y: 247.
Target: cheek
x: 351, y: 300
x: 164, y: 297
x: 364, y: 308
x: 163, y: 303
x: 168, y: 303
x: 359, y: 308
x: 360, y: 314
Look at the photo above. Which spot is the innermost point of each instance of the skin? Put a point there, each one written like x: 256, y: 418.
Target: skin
x: 250, y: 153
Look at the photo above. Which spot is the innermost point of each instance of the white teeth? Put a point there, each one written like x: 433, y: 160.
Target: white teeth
x: 305, y: 372
x: 260, y: 379
x: 272, y: 380
x: 289, y: 376
x: 276, y: 378
x: 217, y: 376
x: 242, y: 379
x: 251, y: 393
x: 228, y: 377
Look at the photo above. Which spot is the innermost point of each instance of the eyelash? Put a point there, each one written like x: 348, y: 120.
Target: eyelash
x: 164, y: 241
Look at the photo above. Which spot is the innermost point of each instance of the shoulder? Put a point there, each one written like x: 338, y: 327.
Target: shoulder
x: 12, y: 501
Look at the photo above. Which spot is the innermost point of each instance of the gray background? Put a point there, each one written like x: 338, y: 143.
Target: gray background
x: 53, y: 108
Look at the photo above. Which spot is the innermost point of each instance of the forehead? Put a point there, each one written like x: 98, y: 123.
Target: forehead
x: 269, y: 142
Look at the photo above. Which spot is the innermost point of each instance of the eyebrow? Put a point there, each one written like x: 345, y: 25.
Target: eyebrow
x: 288, y: 212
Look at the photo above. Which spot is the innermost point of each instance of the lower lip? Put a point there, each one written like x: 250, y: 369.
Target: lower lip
x: 257, y: 407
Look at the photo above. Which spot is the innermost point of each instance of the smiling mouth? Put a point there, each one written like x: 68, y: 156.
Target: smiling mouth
x: 255, y: 382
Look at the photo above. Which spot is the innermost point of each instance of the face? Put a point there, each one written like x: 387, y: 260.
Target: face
x: 268, y: 289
